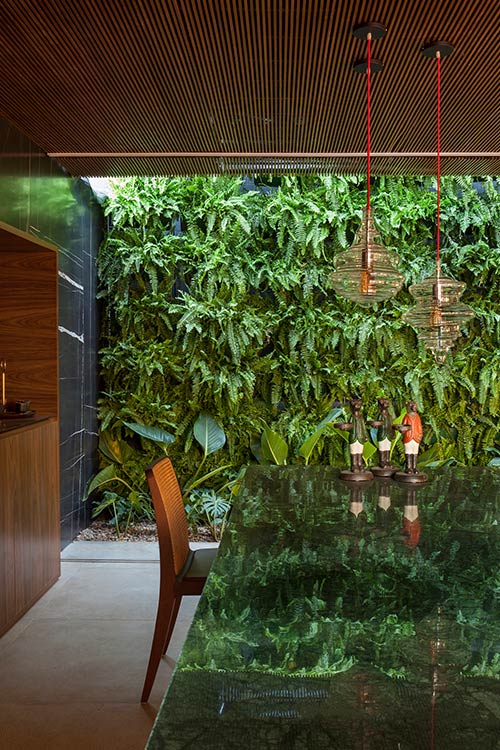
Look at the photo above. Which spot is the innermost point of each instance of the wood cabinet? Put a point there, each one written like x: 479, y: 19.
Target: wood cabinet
x: 28, y: 319
x: 29, y: 453
x: 29, y: 517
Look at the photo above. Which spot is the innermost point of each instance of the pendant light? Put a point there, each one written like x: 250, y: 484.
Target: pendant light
x: 438, y: 314
x: 366, y: 273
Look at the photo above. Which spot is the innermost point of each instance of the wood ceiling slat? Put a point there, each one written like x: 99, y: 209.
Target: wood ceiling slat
x: 200, y: 29
x: 157, y: 62
x: 265, y: 40
x: 177, y: 27
x: 247, y: 37
x: 291, y: 44
x: 222, y: 54
x: 325, y: 72
x: 347, y: 123
x: 249, y: 76
x: 399, y: 86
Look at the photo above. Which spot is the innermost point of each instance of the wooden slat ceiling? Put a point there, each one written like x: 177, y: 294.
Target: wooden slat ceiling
x: 120, y: 87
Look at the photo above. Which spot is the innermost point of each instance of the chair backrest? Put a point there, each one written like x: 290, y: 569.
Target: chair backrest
x: 170, y: 513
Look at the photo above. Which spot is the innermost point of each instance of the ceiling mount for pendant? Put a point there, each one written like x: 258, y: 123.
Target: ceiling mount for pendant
x: 377, y: 30
x: 366, y: 273
x: 361, y: 66
x: 367, y: 31
x: 432, y: 48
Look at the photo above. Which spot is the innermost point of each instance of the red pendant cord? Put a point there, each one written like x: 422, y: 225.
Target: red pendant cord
x: 438, y: 237
x: 368, y: 145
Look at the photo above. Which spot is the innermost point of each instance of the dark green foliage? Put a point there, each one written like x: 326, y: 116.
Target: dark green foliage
x: 217, y: 300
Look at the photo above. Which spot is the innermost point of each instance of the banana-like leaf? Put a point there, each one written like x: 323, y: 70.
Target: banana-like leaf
x: 439, y: 454
x: 274, y: 448
x: 105, y: 475
x: 309, y: 444
x: 344, y: 434
x: 209, y: 434
x: 111, y: 448
x: 160, y: 436
x: 192, y: 483
x: 332, y: 416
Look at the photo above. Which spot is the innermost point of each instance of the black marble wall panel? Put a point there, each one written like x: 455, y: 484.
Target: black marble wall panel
x: 38, y: 197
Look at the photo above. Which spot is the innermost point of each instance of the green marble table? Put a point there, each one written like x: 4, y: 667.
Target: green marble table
x: 339, y: 617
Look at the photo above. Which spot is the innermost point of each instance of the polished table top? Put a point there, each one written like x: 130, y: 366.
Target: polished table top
x: 340, y: 616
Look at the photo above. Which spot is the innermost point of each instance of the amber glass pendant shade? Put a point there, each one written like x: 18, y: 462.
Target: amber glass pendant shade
x: 367, y: 272
x: 438, y: 315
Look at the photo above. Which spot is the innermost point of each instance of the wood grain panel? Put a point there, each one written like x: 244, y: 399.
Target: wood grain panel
x: 28, y: 320
x: 29, y: 517
x: 214, y: 77
x: 7, y: 584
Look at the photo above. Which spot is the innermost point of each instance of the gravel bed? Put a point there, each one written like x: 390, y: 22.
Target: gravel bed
x: 101, y: 531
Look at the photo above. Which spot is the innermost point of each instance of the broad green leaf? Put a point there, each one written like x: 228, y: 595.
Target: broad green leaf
x: 332, y: 416
x: 105, y: 475
x: 191, y: 484
x: 309, y: 444
x: 344, y: 434
x: 160, y: 436
x: 109, y: 500
x: 110, y: 447
x: 274, y: 448
x: 209, y: 434
x: 368, y: 450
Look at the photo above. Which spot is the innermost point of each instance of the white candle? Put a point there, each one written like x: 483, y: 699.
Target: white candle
x: 3, y: 367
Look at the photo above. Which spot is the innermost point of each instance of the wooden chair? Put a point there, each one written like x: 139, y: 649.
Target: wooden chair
x: 183, y: 571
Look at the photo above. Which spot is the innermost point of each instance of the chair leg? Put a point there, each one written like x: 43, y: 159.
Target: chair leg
x: 171, y: 625
x: 166, y: 606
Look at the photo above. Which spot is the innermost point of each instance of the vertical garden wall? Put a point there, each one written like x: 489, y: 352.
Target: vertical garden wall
x: 217, y: 300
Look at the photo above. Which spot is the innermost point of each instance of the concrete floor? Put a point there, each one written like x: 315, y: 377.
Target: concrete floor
x: 71, y: 671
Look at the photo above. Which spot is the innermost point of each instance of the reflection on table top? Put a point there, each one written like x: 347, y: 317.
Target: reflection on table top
x: 346, y: 616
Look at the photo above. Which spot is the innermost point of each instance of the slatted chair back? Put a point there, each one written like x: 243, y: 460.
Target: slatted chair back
x: 170, y: 513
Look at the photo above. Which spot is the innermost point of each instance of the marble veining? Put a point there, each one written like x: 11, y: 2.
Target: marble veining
x: 78, y: 336
x: 37, y: 196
